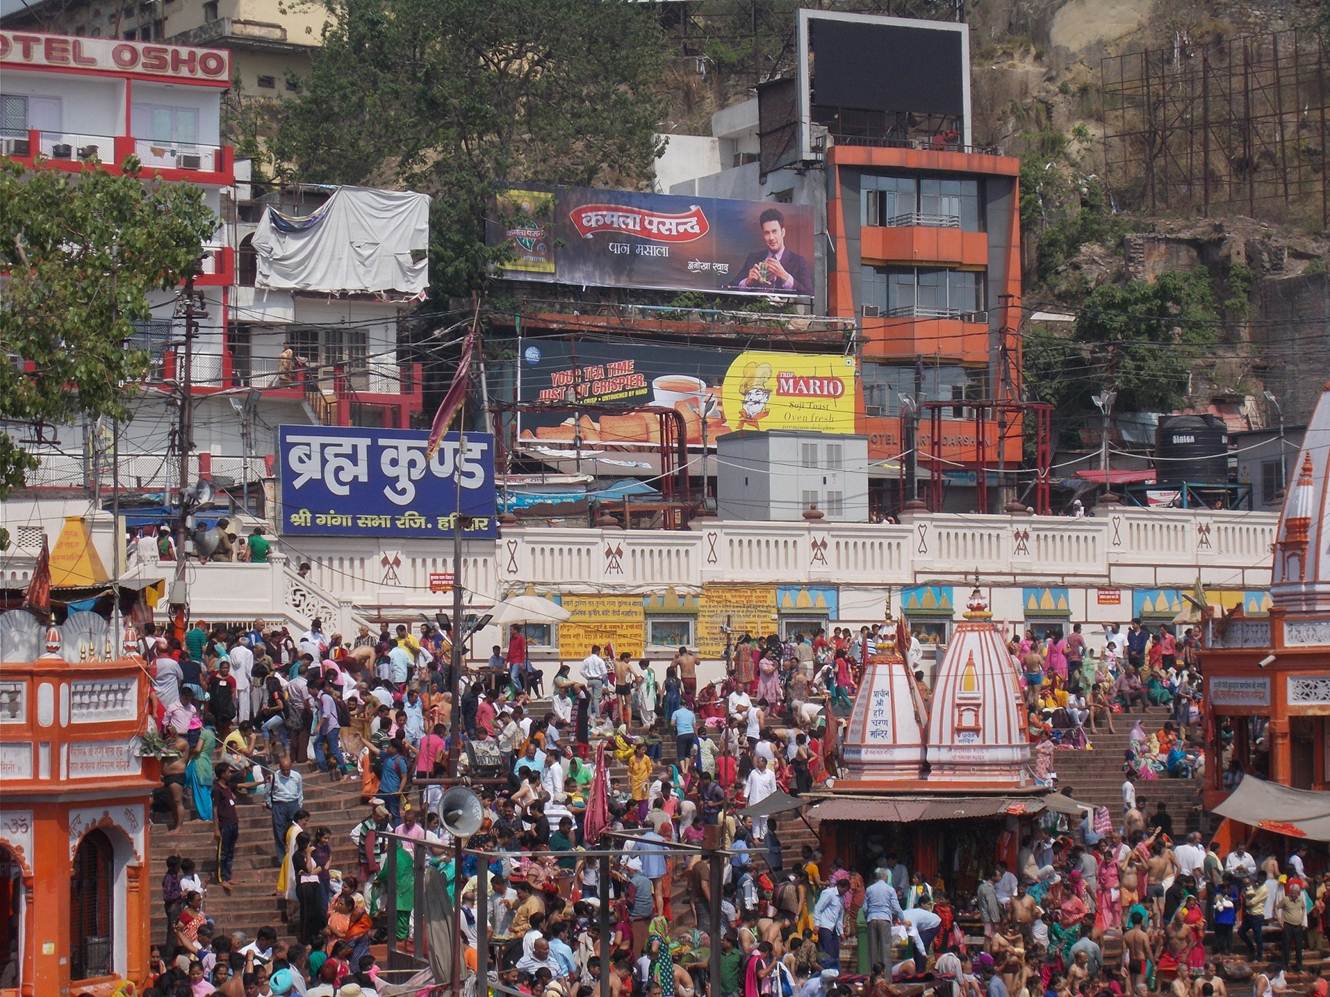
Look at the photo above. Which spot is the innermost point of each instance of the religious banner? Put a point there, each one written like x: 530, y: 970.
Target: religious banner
x: 601, y: 619
x: 750, y: 609
x: 379, y: 482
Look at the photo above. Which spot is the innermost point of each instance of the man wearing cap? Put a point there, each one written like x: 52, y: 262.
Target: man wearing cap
x: 641, y: 902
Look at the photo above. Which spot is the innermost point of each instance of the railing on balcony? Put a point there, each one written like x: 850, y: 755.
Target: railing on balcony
x: 75, y: 147
x: 178, y: 155
x: 924, y: 311
x: 918, y: 219
x: 925, y: 143
x: 72, y: 146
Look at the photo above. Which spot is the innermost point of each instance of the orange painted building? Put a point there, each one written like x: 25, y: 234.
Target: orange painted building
x: 74, y: 809
x: 927, y: 259
x: 1269, y: 680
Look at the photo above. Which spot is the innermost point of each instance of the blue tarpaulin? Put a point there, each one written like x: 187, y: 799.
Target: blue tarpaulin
x: 613, y: 493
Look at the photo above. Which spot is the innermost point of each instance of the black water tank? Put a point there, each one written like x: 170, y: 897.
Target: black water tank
x: 1191, y: 448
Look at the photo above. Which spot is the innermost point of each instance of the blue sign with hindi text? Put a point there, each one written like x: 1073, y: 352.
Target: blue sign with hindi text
x: 378, y: 482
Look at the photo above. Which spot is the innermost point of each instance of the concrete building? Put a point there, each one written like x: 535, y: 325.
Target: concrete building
x: 66, y: 99
x: 780, y: 476
x: 1257, y: 454
x: 918, y: 243
x: 270, y: 43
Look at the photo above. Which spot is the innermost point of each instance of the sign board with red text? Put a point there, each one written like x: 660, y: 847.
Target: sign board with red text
x: 20, y: 49
x: 1108, y: 597
x: 440, y: 581
x: 621, y: 238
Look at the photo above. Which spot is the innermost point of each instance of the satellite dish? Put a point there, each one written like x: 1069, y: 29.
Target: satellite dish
x: 462, y: 813
x: 199, y: 493
x: 206, y: 541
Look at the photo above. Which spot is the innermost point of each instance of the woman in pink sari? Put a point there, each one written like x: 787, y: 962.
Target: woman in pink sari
x: 768, y: 681
x: 1106, y: 911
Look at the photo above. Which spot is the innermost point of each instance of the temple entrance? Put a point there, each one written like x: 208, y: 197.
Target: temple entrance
x: 12, y: 904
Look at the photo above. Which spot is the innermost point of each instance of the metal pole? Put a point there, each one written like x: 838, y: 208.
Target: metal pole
x: 1282, y: 456
x: 482, y: 920
x: 184, y: 436
x: 458, y: 943
x: 715, y: 887
x: 603, y: 917
x: 455, y: 666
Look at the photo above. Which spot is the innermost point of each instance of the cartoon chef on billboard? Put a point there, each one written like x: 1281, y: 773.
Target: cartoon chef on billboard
x: 755, y: 392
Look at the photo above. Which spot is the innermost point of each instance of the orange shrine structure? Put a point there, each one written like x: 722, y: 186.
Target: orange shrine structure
x: 74, y: 802
x: 1267, y: 681
x: 962, y: 756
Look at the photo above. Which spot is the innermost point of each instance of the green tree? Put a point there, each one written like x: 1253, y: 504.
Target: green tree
x: 81, y: 254
x: 452, y: 97
x: 1140, y: 339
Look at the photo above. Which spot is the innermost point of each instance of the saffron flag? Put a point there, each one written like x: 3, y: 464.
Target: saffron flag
x: 456, y: 394
x: 38, y: 596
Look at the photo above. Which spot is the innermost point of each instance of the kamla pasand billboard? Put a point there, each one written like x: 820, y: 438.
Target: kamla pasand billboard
x: 716, y: 391
x: 378, y: 482
x: 615, y: 238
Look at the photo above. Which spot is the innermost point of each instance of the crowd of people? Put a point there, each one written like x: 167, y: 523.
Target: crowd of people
x: 243, y: 711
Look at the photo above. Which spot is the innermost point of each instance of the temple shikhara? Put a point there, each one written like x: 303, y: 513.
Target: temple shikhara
x: 1268, y: 680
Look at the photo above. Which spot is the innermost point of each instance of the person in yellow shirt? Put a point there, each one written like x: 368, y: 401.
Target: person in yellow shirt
x: 639, y: 777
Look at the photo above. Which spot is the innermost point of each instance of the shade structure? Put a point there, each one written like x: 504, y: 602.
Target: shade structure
x: 1296, y: 813
x: 528, y: 609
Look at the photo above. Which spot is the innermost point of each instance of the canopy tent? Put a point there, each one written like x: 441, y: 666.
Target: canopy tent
x: 774, y: 805
x: 1302, y: 813
x: 528, y: 609
x: 1117, y: 476
x: 904, y: 810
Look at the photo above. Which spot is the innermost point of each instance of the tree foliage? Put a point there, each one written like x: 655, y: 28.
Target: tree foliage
x: 80, y: 255
x: 452, y: 97
x: 1140, y: 339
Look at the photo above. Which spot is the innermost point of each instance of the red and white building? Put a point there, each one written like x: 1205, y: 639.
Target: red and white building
x: 67, y: 102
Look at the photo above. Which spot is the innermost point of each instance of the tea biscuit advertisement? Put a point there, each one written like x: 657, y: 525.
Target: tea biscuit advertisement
x: 716, y: 391
x: 617, y: 238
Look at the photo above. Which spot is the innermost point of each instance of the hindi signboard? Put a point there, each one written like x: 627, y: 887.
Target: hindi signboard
x: 378, y: 482
x: 716, y: 391
x: 1228, y: 690
x: 749, y: 609
x: 619, y: 238
x: 601, y: 619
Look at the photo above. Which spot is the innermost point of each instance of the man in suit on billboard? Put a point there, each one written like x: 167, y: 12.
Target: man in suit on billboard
x: 776, y: 268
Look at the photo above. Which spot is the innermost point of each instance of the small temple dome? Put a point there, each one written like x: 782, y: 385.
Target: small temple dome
x: 1300, y: 582
x: 976, y: 727
x: 885, y: 739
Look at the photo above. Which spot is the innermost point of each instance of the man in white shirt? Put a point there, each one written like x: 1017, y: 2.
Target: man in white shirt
x: 1240, y: 862
x: 552, y: 779
x: 242, y: 663
x: 761, y: 784
x: 1006, y: 885
x: 1295, y: 860
x: 312, y: 641
x: 594, y: 671
x: 1190, y: 856
x: 1128, y: 794
x: 922, y: 925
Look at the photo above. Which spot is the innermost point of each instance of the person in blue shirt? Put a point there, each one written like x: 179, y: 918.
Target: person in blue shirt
x: 684, y: 721
x: 829, y: 919
x: 882, y: 909
x: 392, y: 774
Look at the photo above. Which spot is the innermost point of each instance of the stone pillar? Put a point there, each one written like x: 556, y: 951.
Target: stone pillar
x: 138, y: 919
x: 1281, y: 758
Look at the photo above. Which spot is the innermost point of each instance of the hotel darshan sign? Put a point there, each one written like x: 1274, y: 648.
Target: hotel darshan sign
x: 25, y: 48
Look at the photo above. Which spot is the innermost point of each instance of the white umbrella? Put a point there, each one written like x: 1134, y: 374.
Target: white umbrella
x: 528, y: 609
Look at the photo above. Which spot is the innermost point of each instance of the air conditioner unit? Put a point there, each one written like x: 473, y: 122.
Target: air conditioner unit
x: 15, y: 146
x: 872, y: 311
x: 62, y: 151
x: 187, y: 162
x: 974, y: 317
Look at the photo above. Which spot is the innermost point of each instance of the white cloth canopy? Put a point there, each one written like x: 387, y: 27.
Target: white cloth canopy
x: 359, y: 241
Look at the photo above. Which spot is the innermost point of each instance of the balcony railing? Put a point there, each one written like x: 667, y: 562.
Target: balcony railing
x: 921, y: 311
x: 926, y: 144
x: 917, y: 219
x: 75, y: 148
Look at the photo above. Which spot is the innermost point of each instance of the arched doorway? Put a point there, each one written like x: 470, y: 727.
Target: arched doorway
x: 91, y: 903
x: 13, y: 901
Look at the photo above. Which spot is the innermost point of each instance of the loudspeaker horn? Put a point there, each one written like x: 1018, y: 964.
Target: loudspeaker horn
x: 462, y: 812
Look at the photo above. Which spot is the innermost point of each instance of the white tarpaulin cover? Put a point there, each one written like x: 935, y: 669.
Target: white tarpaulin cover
x: 360, y: 241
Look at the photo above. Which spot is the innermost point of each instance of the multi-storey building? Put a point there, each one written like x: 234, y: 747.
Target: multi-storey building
x: 918, y: 230
x: 270, y: 43
x: 321, y: 349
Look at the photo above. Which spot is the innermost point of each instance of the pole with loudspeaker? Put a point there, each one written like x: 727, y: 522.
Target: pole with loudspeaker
x: 462, y: 816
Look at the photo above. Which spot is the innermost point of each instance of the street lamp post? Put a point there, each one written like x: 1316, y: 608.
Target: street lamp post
x: 1270, y: 397
x: 1104, y: 402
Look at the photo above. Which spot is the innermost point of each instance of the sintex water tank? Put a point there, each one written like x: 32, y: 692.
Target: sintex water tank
x: 1191, y: 448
